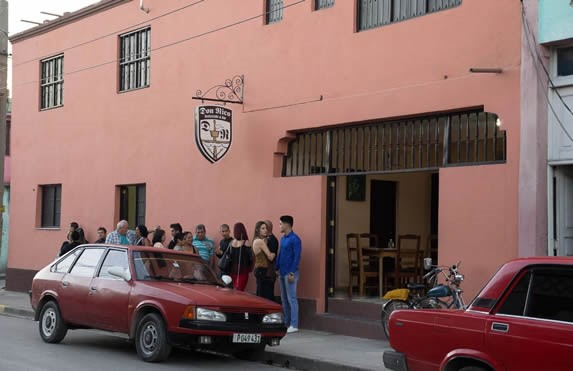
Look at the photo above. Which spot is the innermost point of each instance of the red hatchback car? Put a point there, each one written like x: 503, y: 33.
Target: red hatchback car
x: 160, y: 298
x: 521, y: 320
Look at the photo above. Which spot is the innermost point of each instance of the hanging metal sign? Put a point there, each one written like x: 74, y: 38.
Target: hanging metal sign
x: 213, y: 131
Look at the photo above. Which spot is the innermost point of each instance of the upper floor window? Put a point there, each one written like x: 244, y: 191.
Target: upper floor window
x: 52, y: 83
x: 51, y: 203
x: 375, y: 13
x: 274, y: 10
x: 135, y: 59
x: 565, y: 61
x: 319, y: 4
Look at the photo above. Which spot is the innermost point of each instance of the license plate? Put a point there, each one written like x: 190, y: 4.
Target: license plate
x: 246, y: 338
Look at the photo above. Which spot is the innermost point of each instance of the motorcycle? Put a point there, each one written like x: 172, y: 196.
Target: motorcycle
x: 445, y: 295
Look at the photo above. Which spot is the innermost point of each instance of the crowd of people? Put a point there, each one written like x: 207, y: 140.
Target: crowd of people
x: 235, y: 255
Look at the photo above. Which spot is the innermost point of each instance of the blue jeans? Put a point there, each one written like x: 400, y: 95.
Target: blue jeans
x: 289, y: 300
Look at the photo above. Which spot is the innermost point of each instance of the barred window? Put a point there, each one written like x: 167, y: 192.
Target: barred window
x: 135, y: 59
x: 52, y: 83
x: 274, y: 10
x: 320, y: 4
x: 51, y: 203
x: 376, y: 13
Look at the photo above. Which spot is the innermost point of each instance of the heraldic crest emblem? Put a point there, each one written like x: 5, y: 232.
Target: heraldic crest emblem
x: 213, y: 131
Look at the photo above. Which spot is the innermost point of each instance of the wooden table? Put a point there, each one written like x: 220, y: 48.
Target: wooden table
x: 380, y: 254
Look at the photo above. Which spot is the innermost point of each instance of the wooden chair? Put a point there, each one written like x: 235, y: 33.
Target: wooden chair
x: 408, y: 261
x: 358, y: 265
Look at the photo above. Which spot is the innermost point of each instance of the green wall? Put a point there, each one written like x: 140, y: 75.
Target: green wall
x: 555, y: 20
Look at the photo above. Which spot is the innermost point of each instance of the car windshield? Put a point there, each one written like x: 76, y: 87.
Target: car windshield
x: 165, y: 266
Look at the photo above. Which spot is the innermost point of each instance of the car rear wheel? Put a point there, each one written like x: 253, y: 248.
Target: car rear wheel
x: 388, y: 309
x: 151, y: 339
x: 52, y: 326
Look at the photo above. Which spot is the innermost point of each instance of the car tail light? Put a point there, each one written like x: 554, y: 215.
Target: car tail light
x: 189, y: 312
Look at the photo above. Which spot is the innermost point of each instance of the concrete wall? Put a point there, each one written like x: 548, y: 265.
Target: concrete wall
x: 100, y: 139
x: 555, y: 21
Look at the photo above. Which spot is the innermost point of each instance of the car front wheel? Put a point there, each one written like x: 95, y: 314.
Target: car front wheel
x: 151, y: 339
x: 52, y: 326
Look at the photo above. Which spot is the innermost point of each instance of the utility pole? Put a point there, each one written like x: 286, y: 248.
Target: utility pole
x: 3, y: 105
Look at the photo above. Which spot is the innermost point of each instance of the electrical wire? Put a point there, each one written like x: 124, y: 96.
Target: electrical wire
x: 175, y: 42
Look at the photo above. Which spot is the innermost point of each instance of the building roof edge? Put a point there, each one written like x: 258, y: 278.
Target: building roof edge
x: 67, y: 18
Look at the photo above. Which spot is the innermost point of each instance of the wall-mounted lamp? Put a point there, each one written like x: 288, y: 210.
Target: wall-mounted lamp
x: 498, y: 122
x: 142, y: 7
x: 485, y: 70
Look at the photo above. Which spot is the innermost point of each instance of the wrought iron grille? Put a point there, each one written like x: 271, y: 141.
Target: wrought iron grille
x: 470, y: 138
x: 375, y: 13
x: 320, y: 4
x: 274, y: 10
x: 52, y: 84
x: 135, y: 59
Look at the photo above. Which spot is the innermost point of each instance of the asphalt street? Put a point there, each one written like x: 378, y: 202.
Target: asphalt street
x: 22, y: 349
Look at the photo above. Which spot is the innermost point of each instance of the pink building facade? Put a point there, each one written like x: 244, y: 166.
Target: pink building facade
x: 337, y: 117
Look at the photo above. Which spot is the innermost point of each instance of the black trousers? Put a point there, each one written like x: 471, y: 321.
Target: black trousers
x: 265, y: 285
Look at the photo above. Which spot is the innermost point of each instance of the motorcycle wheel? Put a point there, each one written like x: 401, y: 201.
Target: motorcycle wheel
x: 388, y: 309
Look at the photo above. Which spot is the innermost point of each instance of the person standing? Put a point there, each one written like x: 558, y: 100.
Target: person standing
x: 122, y: 235
x: 158, y: 238
x: 101, y: 234
x: 141, y: 234
x: 74, y: 238
x: 175, y: 228
x: 287, y: 265
x: 273, y: 245
x: 263, y: 259
x: 225, y: 243
x: 188, y: 243
x: 204, y: 245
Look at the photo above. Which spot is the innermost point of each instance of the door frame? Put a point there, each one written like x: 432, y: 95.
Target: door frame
x: 552, y: 210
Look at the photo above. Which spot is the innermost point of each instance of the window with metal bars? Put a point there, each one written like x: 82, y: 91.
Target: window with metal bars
x: 320, y: 4
x: 274, y: 10
x: 51, y: 204
x: 376, y: 13
x: 135, y: 59
x: 427, y: 143
x: 52, y: 82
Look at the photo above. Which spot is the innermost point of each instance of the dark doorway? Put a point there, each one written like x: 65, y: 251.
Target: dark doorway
x: 132, y: 204
x: 383, y: 211
x: 330, y: 236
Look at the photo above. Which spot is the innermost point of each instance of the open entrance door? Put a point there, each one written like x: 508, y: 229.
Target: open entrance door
x: 563, y: 210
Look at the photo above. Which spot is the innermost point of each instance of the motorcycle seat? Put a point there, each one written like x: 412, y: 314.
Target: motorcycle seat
x: 416, y: 286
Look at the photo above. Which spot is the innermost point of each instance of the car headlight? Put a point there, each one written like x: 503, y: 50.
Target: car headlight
x: 273, y: 318
x: 210, y: 315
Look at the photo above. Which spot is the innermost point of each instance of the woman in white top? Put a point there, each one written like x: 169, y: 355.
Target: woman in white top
x: 158, y: 238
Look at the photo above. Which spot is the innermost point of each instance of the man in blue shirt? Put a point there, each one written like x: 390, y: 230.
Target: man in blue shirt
x: 287, y: 265
x: 204, y: 245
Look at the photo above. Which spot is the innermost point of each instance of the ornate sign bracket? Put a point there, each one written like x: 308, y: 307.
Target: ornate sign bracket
x: 229, y: 92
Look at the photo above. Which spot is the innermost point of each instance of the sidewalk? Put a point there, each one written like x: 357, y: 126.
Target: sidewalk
x: 303, y: 350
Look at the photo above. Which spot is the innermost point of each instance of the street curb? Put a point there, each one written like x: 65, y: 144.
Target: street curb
x: 305, y: 364
x: 16, y: 312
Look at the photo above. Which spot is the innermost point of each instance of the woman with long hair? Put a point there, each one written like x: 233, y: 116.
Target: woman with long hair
x: 158, y: 238
x: 141, y: 234
x: 241, y: 256
x: 263, y: 259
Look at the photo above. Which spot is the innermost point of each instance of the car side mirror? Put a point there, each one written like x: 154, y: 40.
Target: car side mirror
x: 119, y: 272
x: 427, y: 263
x: 227, y: 280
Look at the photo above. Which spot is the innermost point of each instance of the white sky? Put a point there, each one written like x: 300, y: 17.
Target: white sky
x: 30, y: 10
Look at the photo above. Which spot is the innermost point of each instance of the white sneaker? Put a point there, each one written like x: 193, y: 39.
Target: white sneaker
x: 292, y: 329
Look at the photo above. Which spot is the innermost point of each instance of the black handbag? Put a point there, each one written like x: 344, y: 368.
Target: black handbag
x: 226, y: 260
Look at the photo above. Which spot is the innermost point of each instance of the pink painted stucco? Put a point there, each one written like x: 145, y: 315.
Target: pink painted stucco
x: 100, y: 139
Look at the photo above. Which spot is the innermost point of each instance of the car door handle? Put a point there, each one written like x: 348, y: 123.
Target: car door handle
x: 65, y: 283
x: 499, y: 327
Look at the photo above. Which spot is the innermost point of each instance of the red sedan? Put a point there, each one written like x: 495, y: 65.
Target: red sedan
x: 521, y: 320
x: 160, y: 298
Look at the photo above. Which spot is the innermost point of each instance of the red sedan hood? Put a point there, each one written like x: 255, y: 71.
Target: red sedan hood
x: 208, y: 295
